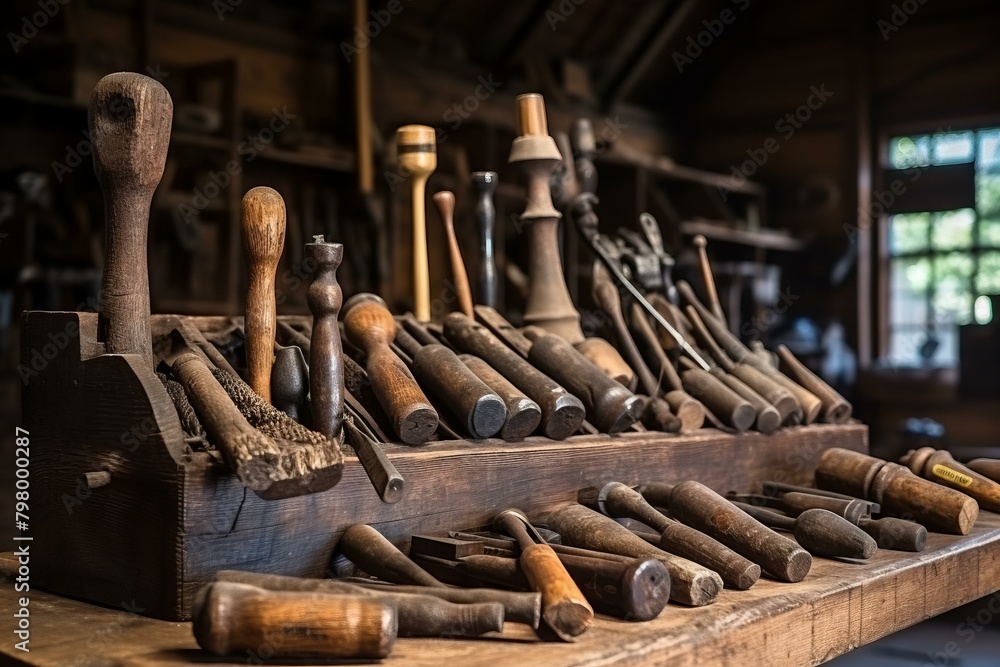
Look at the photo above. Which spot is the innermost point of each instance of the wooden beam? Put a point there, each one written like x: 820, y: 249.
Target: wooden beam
x: 519, y: 41
x: 672, y: 23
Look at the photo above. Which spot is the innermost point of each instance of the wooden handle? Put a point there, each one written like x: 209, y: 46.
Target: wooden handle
x: 607, y: 298
x: 418, y: 615
x: 562, y: 412
x: 818, y: 531
x: 564, y: 607
x: 610, y: 407
x: 723, y: 402
x: 700, y: 242
x: 129, y: 119
x: 796, y: 503
x: 986, y: 467
x: 657, y: 416
x: 416, y: 147
x: 439, y: 370
x: 939, y: 466
x: 767, y: 419
x: 605, y: 357
x: 522, y: 415
x: 687, y: 408
x: 584, y: 147
x: 836, y: 410
x: 263, y: 225
x: 290, y: 381
x: 777, y: 395
x: 326, y: 355
x: 736, y: 571
x: 897, y: 490
x: 231, y: 618
x: 691, y: 583
x: 699, y: 507
x: 368, y: 549
x: 896, y: 534
x: 369, y: 325
x: 484, y: 184
x: 445, y: 203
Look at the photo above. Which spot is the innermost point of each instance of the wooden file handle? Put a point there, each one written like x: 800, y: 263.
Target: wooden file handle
x: 818, y: 531
x: 941, y: 467
x: 368, y: 549
x: 522, y: 415
x: 326, y: 355
x: 263, y: 225
x: 484, y: 184
x: 700, y: 242
x: 231, y: 618
x: 417, y: 152
x: 619, y: 501
x: 370, y: 326
x: 442, y: 373
x: 445, y: 203
x: 129, y: 118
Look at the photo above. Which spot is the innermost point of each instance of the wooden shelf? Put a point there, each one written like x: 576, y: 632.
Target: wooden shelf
x: 667, y: 168
x: 840, y: 606
x: 344, y: 161
x: 766, y: 239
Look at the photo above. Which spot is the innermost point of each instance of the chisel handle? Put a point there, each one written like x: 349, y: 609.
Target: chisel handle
x: 263, y: 224
x: 372, y: 552
x: 231, y: 618
x: 129, y: 118
x: 370, y: 326
x: 326, y: 354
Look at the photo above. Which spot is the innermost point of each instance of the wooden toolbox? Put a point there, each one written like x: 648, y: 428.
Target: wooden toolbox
x: 141, y: 519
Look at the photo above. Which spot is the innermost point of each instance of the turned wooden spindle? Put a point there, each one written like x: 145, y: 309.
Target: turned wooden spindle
x: 701, y: 243
x: 369, y: 325
x: 231, y: 618
x: 549, y: 304
x: 417, y: 153
x: 326, y: 355
x: 129, y: 117
x: 445, y: 203
x: 484, y: 184
x: 941, y: 467
x: 564, y: 607
x: 263, y: 225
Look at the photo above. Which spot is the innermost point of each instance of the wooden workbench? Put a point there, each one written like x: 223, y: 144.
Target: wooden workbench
x: 838, y: 607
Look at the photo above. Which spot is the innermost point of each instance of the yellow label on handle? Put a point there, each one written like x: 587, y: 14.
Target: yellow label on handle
x: 953, y: 476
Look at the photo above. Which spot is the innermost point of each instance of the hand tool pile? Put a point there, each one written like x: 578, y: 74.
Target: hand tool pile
x: 622, y: 551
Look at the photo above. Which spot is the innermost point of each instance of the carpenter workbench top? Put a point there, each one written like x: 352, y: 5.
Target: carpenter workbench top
x: 838, y: 607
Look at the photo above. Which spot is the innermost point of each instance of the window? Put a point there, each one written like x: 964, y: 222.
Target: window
x: 943, y: 263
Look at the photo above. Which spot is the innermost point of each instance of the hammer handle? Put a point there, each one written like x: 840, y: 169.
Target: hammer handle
x: 232, y: 618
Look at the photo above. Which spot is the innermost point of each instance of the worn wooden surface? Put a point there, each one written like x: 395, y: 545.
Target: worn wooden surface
x: 841, y: 605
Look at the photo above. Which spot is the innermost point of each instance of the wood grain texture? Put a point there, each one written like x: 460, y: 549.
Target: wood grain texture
x: 841, y: 607
x: 444, y: 201
x: 129, y: 117
x: 326, y: 354
x: 941, y: 467
x: 416, y: 147
x: 263, y: 225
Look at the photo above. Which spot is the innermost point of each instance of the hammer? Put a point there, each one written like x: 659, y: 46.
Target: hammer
x: 129, y: 118
x: 230, y: 618
x: 263, y: 224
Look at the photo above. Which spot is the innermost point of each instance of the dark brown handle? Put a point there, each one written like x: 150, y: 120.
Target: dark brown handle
x: 606, y: 296
x: 896, y: 534
x: 485, y: 183
x: 129, y: 121
x: 445, y: 203
x: 723, y: 402
x: 767, y: 418
x: 699, y: 507
x: 836, y: 410
x: 263, y: 224
x: 289, y: 381
x: 522, y: 414
x: 796, y: 503
x: 611, y: 407
x: 231, y: 618
x: 562, y: 412
x: 440, y: 371
x: 700, y: 242
x: 370, y: 326
x: 326, y: 355
x: 368, y: 549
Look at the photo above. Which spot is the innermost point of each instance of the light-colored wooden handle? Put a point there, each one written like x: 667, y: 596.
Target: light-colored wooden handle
x: 231, y: 618
x: 445, y: 203
x: 370, y: 326
x: 263, y: 225
x: 129, y: 121
x: 417, y: 152
x: 564, y: 607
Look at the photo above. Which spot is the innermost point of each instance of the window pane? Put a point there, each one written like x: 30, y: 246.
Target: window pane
x: 907, y: 308
x: 910, y: 275
x: 907, y: 152
x: 953, y: 230
x: 989, y: 233
x: 952, y: 147
x: 904, y: 347
x: 988, y: 278
x: 989, y: 150
x: 908, y: 233
x: 988, y: 193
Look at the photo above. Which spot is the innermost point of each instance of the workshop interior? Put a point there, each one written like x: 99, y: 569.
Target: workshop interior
x: 555, y: 332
